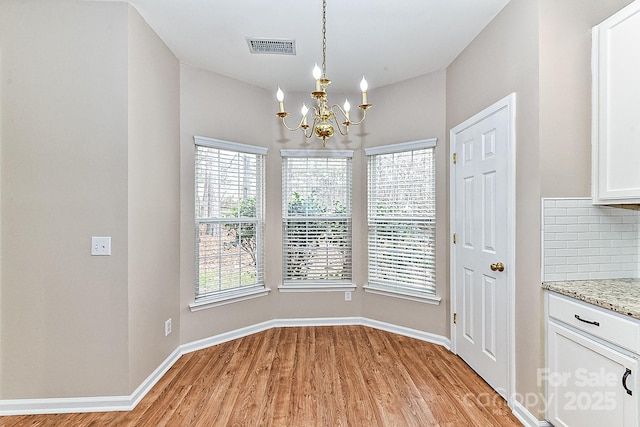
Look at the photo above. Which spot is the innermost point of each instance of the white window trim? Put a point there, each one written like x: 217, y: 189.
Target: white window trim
x: 317, y: 153
x: 321, y: 287
x: 402, y: 293
x: 237, y: 294
x: 400, y: 147
x: 230, y: 146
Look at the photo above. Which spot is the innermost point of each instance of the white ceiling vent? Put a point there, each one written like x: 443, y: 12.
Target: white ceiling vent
x: 272, y: 46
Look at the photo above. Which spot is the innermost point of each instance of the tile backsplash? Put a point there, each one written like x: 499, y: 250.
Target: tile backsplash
x: 581, y: 241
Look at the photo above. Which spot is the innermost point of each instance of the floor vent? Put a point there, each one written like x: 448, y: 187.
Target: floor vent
x: 271, y: 46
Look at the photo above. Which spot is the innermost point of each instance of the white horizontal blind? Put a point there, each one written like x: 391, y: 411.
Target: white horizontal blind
x: 316, y: 207
x: 401, y: 219
x: 229, y: 206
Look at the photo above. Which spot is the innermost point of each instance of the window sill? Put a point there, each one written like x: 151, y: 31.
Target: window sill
x: 218, y: 300
x: 318, y: 287
x: 411, y: 296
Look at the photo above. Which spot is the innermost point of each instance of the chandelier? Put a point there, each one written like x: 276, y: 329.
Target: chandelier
x: 325, y: 117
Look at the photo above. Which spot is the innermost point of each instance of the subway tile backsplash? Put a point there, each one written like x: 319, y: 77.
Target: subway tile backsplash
x: 581, y: 241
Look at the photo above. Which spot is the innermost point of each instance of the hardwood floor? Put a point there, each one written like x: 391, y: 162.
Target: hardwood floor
x: 309, y: 376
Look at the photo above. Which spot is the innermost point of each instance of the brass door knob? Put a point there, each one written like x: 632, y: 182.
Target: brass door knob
x: 498, y: 266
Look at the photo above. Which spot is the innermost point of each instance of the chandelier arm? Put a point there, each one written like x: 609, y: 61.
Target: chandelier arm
x: 339, y: 125
x: 311, y: 130
x: 289, y: 128
x: 344, y: 132
x: 344, y: 113
x: 364, y: 116
x: 351, y: 122
x: 316, y: 119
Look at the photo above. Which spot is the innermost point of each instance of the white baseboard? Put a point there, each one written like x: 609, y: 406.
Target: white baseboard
x: 152, y: 379
x: 64, y: 405
x: 408, y: 332
x: 225, y: 337
x: 318, y: 321
x: 363, y: 321
x: 127, y: 403
x: 526, y: 418
x: 88, y: 404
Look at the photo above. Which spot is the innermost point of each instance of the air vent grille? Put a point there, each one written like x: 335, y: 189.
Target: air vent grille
x: 271, y: 46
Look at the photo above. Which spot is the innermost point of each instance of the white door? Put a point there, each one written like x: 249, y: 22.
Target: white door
x: 481, y: 259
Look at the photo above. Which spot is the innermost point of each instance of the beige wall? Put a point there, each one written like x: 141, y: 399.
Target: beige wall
x: 540, y: 50
x: 89, y: 135
x: 92, y: 111
x: 408, y: 111
x: 565, y: 93
x: 210, y: 106
x: 316, y: 304
x: 64, y: 179
x: 219, y: 107
x: 153, y: 200
x: 501, y: 60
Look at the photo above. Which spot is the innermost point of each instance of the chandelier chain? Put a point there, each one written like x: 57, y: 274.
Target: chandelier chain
x: 324, y: 118
x: 324, y: 38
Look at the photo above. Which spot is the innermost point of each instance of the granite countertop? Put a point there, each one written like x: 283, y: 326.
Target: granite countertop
x: 619, y: 295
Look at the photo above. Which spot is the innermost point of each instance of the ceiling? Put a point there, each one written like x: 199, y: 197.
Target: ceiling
x: 386, y: 41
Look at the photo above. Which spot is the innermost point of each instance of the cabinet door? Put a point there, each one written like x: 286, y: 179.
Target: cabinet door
x: 589, y: 384
x: 616, y: 108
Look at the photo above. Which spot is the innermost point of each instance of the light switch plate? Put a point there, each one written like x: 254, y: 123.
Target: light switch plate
x: 101, y: 246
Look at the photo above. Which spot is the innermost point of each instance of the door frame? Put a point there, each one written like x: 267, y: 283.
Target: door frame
x: 509, y: 103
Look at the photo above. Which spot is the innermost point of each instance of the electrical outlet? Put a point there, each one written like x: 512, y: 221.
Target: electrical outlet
x: 347, y: 295
x: 167, y: 327
x: 101, y: 246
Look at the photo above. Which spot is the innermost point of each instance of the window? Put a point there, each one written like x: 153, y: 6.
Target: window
x: 229, y: 206
x: 401, y: 219
x: 316, y: 218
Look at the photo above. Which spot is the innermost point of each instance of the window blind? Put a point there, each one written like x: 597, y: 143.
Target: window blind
x: 401, y: 219
x: 316, y: 215
x: 229, y: 206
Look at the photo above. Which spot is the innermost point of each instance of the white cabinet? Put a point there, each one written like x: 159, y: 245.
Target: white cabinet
x: 616, y: 108
x: 592, y: 376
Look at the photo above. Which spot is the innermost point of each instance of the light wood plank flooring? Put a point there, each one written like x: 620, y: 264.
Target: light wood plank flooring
x: 309, y: 376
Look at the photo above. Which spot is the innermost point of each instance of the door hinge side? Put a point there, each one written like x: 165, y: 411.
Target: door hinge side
x: 455, y: 158
x: 455, y: 317
x: 455, y: 238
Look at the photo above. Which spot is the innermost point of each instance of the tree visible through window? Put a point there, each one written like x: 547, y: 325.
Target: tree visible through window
x: 401, y: 218
x: 229, y: 217
x: 316, y: 217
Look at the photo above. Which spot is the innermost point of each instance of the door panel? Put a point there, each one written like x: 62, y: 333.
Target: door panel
x: 468, y: 308
x: 489, y: 317
x: 469, y: 212
x: 480, y: 214
x: 489, y: 212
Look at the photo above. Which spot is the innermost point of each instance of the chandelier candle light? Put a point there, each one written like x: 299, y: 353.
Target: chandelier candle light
x: 323, y: 114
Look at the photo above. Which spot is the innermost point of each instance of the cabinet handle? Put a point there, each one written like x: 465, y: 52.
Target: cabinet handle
x: 624, y: 381
x: 591, y: 322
